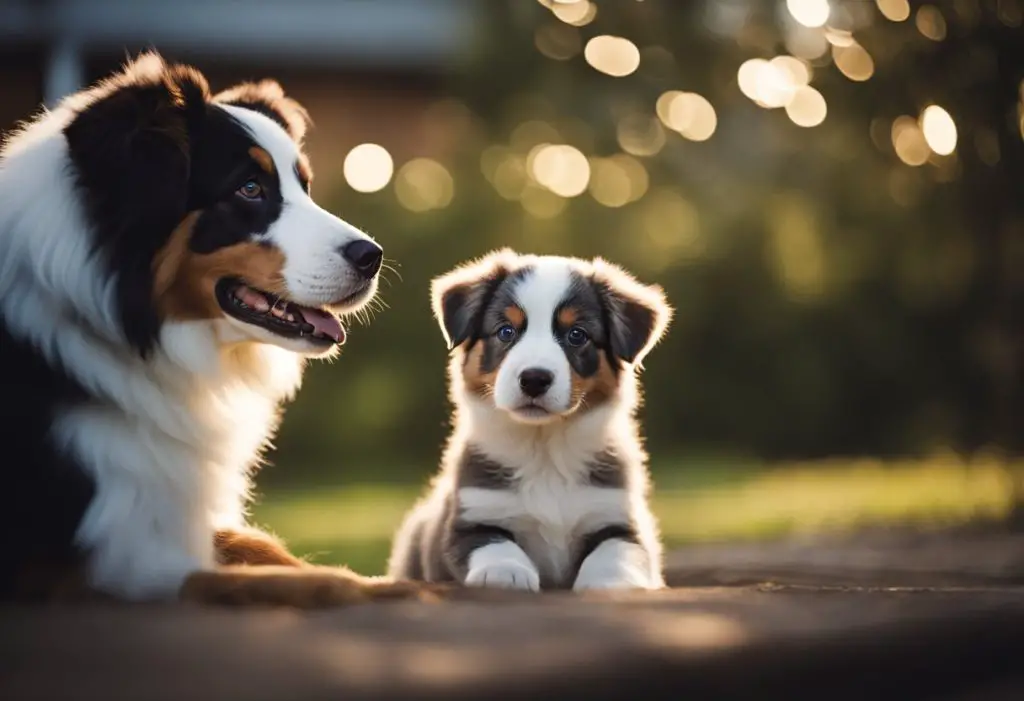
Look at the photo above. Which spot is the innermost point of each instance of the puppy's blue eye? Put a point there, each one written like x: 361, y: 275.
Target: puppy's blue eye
x: 576, y: 337
x: 251, y: 190
x: 506, y: 333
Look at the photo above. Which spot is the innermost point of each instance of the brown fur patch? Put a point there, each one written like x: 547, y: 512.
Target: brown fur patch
x: 252, y: 547
x: 263, y: 159
x: 184, y: 282
x: 306, y: 588
x: 593, y: 391
x: 268, y: 96
x: 476, y: 379
x: 515, y: 316
x: 567, y: 316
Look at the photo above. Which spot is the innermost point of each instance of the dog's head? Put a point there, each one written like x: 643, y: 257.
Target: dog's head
x: 199, y: 208
x: 545, y: 337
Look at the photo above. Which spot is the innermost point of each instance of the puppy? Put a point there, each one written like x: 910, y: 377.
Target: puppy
x: 164, y: 275
x: 543, y: 483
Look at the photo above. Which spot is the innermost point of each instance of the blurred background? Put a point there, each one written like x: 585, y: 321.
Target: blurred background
x: 830, y: 191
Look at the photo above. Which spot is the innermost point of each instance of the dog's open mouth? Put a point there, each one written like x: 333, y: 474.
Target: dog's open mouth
x: 278, y: 315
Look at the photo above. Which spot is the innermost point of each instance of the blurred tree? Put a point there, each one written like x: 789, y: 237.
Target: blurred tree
x: 833, y: 203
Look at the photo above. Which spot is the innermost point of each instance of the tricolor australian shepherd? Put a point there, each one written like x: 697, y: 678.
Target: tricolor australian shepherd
x: 544, y: 483
x: 164, y: 274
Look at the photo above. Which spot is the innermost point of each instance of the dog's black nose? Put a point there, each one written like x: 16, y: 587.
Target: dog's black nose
x: 535, y: 382
x: 365, y: 256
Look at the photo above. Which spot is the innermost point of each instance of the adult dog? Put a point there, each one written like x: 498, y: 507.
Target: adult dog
x: 164, y: 275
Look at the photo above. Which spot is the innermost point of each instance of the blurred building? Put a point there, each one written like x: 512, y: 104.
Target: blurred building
x: 367, y: 70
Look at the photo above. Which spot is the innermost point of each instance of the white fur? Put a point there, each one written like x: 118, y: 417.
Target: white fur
x: 617, y: 564
x: 502, y: 565
x: 169, y: 441
x: 537, y: 348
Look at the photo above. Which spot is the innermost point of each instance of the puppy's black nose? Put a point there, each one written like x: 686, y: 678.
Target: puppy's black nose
x: 365, y: 256
x: 535, y: 382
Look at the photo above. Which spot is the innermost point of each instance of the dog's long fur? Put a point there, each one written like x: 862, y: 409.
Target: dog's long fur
x: 146, y: 226
x: 543, y: 482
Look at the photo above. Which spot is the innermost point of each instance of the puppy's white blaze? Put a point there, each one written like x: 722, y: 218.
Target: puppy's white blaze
x: 310, y: 237
x: 502, y: 565
x: 617, y: 564
x: 538, y: 295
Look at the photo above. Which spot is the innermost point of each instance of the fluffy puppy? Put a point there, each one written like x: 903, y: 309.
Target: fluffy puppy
x: 164, y: 275
x: 544, y: 482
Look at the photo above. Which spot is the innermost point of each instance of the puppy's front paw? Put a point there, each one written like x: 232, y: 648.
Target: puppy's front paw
x: 613, y: 580
x: 504, y: 575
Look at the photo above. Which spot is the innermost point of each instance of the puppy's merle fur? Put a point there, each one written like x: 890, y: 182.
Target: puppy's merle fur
x: 544, y: 482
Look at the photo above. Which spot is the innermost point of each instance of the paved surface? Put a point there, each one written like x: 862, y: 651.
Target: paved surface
x: 764, y: 642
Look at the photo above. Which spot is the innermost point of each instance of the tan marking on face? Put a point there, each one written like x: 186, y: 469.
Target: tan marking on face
x: 515, y: 316
x: 568, y: 316
x: 184, y: 282
x: 475, y: 378
x: 263, y: 159
x: 589, y: 392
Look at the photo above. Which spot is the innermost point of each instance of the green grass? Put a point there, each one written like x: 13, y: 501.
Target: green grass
x: 353, y: 525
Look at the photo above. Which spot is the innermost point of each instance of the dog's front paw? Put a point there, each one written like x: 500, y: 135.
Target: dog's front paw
x: 613, y: 580
x: 504, y: 575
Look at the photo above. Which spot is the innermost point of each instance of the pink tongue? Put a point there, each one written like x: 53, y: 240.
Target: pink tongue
x: 324, y: 323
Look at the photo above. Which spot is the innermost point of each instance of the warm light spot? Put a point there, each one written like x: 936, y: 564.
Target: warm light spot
x: 810, y: 13
x: 617, y: 180
x: 939, y: 130
x: 839, y: 37
x: 423, y: 184
x: 510, y: 177
x: 798, y: 72
x: 542, y: 203
x: 853, y: 61
x: 578, y: 14
x: 368, y: 168
x: 909, y: 142
x: 931, y: 23
x: 612, y: 55
x: 805, y: 43
x: 765, y: 83
x: 640, y: 135
x: 560, y: 168
x: 692, y: 116
x: 491, y: 158
x: 664, y: 104
x: 672, y: 228
x: 894, y: 10
x: 807, y: 108
x: 557, y: 41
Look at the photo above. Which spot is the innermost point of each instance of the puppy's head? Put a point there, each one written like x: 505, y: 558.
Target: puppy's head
x: 200, y: 207
x: 545, y: 337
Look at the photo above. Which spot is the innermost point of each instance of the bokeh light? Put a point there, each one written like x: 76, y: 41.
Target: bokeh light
x: 930, y: 22
x: 771, y: 84
x: 542, y: 203
x: 557, y: 41
x: 810, y: 13
x: 939, y: 130
x: 617, y: 180
x: 807, y: 108
x: 368, y: 168
x: 578, y: 13
x: 894, y: 10
x: 561, y: 168
x: 908, y: 141
x: 423, y: 184
x: 612, y: 55
x: 640, y: 135
x: 853, y: 61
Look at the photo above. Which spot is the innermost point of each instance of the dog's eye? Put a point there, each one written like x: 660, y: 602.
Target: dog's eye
x: 506, y: 333
x: 576, y: 337
x: 251, y: 190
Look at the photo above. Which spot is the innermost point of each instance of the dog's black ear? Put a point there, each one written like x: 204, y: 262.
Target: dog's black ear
x: 460, y: 296
x: 129, y: 142
x: 637, y: 315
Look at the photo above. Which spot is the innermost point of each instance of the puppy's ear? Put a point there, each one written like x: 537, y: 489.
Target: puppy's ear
x: 129, y: 142
x: 459, y: 297
x: 637, y: 315
x: 267, y: 97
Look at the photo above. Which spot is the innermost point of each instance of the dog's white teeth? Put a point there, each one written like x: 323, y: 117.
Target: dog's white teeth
x: 252, y: 299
